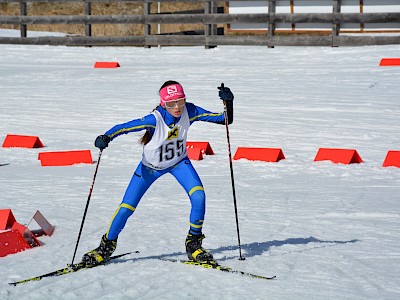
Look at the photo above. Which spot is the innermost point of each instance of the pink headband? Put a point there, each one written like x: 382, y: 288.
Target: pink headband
x: 171, y: 93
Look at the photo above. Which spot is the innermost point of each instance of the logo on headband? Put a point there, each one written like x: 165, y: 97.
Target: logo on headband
x: 171, y: 89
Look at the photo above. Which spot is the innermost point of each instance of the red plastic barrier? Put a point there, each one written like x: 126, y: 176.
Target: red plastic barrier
x: 12, y: 238
x: 7, y: 219
x: 15, y: 237
x: 65, y: 158
x: 262, y: 154
x: 11, y: 242
x: 204, y: 146
x: 22, y: 141
x: 195, y: 153
x: 392, y: 159
x: 390, y: 62
x: 26, y: 234
x: 106, y: 64
x: 344, y: 156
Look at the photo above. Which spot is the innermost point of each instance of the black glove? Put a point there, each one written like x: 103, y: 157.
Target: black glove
x: 225, y: 93
x: 102, y: 141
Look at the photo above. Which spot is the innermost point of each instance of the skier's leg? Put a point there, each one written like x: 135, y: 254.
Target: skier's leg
x: 140, y: 182
x: 190, y: 181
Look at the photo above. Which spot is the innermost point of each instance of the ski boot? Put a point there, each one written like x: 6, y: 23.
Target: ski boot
x: 101, y: 254
x: 195, y: 251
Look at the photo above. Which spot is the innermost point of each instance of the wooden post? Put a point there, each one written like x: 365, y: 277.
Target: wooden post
x: 271, y: 24
x: 23, y: 12
x: 292, y: 12
x: 337, y: 5
x: 158, y: 12
x: 88, y: 12
x: 147, y: 26
x: 362, y: 25
x: 209, y: 29
x: 159, y: 25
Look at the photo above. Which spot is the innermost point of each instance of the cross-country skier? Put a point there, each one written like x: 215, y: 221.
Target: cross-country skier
x: 164, y: 151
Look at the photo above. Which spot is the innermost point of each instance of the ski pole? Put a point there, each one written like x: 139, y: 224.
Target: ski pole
x: 87, y: 206
x: 232, y: 179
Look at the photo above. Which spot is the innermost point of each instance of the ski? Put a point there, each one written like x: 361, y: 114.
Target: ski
x: 216, y: 266
x: 69, y: 269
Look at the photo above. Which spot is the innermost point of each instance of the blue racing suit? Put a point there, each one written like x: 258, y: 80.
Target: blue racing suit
x: 183, y: 171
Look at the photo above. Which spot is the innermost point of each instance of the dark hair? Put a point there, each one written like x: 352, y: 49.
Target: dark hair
x: 146, y: 136
x: 167, y: 83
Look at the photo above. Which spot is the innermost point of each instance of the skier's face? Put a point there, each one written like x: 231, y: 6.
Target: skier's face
x: 175, y: 108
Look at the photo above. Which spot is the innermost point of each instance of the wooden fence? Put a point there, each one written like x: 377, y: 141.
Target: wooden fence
x: 210, y: 19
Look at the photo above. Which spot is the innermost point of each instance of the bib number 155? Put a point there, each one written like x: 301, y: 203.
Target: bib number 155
x: 172, y: 149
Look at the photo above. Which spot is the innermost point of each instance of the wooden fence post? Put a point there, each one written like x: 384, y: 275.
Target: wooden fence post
x: 362, y: 25
x: 88, y: 12
x: 291, y: 3
x: 271, y: 24
x: 147, y: 26
x: 23, y: 12
x: 159, y: 25
x: 209, y: 29
x: 337, y: 6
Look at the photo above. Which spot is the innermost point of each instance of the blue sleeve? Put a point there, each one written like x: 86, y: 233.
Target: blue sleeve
x: 196, y: 113
x: 148, y: 122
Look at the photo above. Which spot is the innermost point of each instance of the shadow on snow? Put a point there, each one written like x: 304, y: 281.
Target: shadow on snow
x: 258, y: 249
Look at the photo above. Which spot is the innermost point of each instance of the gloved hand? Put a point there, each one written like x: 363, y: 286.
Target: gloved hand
x: 102, y: 141
x: 225, y: 93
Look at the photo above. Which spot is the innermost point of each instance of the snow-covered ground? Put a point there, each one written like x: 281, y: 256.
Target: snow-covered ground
x: 328, y: 231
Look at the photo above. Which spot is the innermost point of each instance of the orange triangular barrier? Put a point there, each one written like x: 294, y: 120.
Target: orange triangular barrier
x: 12, y: 234
x: 392, y: 159
x: 65, y: 158
x: 390, y: 62
x: 262, y: 154
x: 204, y: 146
x: 344, y: 156
x: 15, y: 237
x: 22, y: 141
x: 195, y: 153
x: 11, y: 241
x: 7, y: 219
x: 26, y: 234
x: 106, y: 64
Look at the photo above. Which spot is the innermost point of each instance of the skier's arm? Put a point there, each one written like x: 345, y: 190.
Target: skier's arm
x: 197, y: 113
x: 148, y: 122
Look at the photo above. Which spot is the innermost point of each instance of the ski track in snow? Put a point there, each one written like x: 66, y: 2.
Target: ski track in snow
x: 328, y: 231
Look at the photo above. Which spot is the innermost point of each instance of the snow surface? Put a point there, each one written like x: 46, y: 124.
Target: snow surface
x: 328, y: 231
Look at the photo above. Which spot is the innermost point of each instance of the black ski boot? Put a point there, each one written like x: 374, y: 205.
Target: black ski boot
x: 101, y: 254
x: 194, y: 249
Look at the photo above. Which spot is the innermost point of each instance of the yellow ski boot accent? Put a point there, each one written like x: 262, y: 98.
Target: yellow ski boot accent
x: 195, y: 251
x: 101, y: 254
